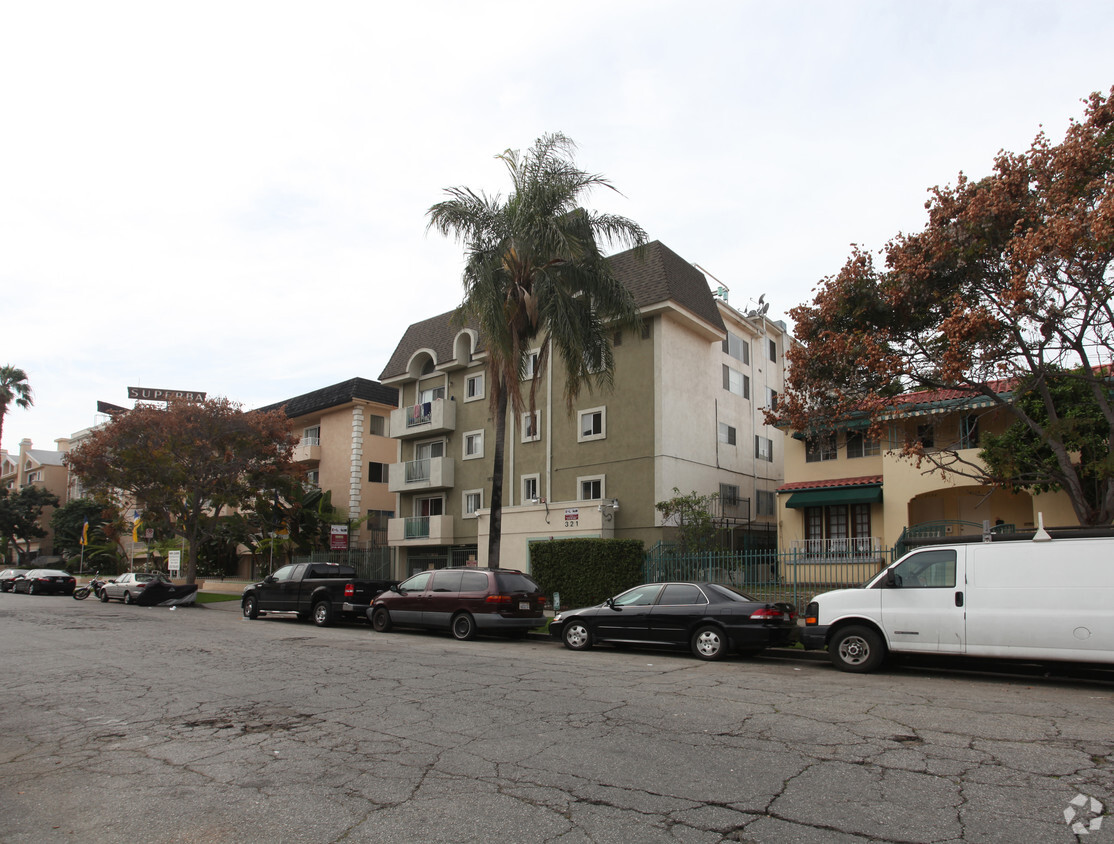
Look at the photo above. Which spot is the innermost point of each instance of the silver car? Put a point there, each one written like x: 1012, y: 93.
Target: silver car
x: 128, y: 587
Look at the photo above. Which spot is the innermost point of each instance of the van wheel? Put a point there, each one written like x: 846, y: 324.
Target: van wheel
x: 322, y: 613
x: 857, y: 649
x: 381, y: 620
x: 463, y: 627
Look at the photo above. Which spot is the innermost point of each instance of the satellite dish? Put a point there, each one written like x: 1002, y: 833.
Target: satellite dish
x: 761, y: 298
x: 765, y: 307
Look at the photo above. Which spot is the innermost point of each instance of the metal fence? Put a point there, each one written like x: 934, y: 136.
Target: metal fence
x: 369, y: 563
x: 795, y: 577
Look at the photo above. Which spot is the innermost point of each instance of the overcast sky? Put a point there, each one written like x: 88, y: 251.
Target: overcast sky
x: 230, y: 197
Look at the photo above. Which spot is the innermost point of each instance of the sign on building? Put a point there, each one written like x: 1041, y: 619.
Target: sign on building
x: 338, y: 537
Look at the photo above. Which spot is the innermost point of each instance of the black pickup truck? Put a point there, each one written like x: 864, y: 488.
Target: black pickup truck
x: 321, y: 591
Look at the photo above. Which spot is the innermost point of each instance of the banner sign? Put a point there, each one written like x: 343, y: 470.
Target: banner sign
x: 157, y: 394
x: 338, y: 537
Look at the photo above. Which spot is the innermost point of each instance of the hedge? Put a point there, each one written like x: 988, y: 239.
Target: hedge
x: 585, y: 572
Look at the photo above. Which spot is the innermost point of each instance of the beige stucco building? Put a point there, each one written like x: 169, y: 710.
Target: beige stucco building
x: 685, y: 412
x: 41, y: 468
x: 847, y: 495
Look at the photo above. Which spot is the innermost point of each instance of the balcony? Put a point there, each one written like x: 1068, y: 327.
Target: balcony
x: 849, y: 549
x: 423, y: 420
x: 420, y: 530
x: 308, y: 450
x: 419, y: 475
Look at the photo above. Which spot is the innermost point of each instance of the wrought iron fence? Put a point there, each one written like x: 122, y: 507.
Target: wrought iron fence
x: 369, y: 563
x: 795, y: 577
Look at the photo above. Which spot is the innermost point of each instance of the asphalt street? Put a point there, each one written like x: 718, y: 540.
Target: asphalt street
x: 131, y: 724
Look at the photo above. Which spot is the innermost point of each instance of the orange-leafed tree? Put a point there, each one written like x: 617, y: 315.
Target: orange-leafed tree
x: 1005, y: 295
x: 187, y: 464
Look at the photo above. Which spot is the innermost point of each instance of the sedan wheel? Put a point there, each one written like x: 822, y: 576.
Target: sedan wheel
x: 577, y: 636
x: 127, y: 597
x: 103, y: 596
x: 709, y: 643
x: 31, y: 589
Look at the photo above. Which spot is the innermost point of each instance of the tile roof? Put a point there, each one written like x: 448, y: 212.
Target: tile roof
x: 337, y: 394
x: 832, y: 483
x: 655, y: 274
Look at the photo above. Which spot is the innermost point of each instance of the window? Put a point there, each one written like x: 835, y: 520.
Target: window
x: 729, y: 495
x: 530, y: 488
x: 736, y: 382
x: 473, y: 501
x: 313, y: 476
x: 431, y: 394
x: 969, y: 431
x: 429, y: 506
x: 767, y: 503
x: 429, y: 450
x: 645, y: 331
x: 473, y: 445
x: 860, y: 445
x: 531, y: 366
x: 376, y: 426
x: 591, y: 489
x: 771, y: 399
x: 819, y: 449
x: 377, y: 472
x: 763, y: 449
x: 312, y: 435
x: 377, y: 519
x: 592, y: 424
x: 928, y: 569
x: 726, y: 433
x: 737, y: 347
x: 531, y: 426
x: 836, y: 522
x: 679, y: 594
x: 926, y: 435
x: 474, y: 387
x: 773, y: 350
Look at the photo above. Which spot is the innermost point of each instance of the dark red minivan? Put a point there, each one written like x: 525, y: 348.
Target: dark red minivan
x: 465, y: 601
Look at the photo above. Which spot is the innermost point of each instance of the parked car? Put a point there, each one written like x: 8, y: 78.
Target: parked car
x: 710, y: 619
x: 320, y: 591
x: 129, y: 587
x: 43, y: 581
x: 8, y: 576
x: 465, y: 601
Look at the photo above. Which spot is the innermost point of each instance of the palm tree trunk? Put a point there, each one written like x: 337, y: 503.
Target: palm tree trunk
x: 495, y: 534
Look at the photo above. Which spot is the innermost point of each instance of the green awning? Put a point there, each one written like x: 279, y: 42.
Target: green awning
x: 835, y: 495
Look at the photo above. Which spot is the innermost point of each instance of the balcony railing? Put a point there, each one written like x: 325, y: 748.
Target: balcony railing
x: 417, y: 470
x: 419, y: 414
x: 839, y: 549
x: 417, y: 527
x: 418, y: 420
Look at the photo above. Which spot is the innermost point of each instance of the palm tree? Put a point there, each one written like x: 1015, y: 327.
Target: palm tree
x: 13, y: 387
x: 534, y: 277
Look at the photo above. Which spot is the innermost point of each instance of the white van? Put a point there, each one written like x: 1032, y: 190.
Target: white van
x: 1019, y: 599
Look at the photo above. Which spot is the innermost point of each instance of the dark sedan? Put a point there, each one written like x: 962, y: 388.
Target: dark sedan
x: 7, y: 578
x: 45, y: 581
x: 710, y: 619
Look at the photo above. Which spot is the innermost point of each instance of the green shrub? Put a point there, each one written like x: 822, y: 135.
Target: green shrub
x: 586, y: 571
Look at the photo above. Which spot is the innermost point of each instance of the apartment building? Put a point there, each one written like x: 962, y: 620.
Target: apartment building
x: 685, y: 412
x: 35, y: 467
x: 345, y: 448
x: 847, y: 495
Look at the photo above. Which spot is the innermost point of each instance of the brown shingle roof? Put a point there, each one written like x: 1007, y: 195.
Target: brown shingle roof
x: 337, y: 394
x: 654, y: 274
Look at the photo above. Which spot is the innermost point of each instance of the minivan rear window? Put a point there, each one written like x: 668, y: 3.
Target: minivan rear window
x: 508, y: 582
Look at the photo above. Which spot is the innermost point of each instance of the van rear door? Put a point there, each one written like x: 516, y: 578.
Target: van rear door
x: 924, y: 601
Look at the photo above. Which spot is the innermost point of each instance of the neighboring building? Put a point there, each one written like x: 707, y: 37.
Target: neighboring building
x: 685, y: 412
x: 848, y: 496
x: 345, y: 449
x: 35, y: 467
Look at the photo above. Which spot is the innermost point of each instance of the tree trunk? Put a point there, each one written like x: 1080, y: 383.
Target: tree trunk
x: 495, y: 534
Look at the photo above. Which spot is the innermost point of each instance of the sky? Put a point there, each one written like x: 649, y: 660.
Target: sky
x: 230, y: 197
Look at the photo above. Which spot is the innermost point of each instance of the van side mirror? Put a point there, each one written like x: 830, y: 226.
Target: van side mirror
x: 891, y: 579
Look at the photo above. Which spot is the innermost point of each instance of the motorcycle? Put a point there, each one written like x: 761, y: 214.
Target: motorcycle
x: 93, y: 587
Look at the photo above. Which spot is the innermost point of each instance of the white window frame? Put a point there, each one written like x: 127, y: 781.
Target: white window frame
x: 770, y: 498
x: 584, y: 479
x: 313, y: 476
x: 311, y: 435
x: 531, y: 363
x: 464, y: 496
x: 477, y: 379
x: 537, y: 483
x: 763, y: 448
x: 478, y: 438
x: 527, y: 437
x: 737, y: 347
x: 592, y: 411
x: 728, y: 434
x: 733, y: 378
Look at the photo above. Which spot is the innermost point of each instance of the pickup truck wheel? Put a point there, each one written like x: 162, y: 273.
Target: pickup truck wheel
x: 856, y: 649
x: 463, y: 627
x: 251, y: 607
x: 381, y: 620
x: 322, y: 613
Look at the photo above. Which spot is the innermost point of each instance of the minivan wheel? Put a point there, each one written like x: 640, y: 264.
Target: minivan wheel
x: 463, y: 627
x: 857, y: 649
x: 381, y: 620
x: 709, y: 642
